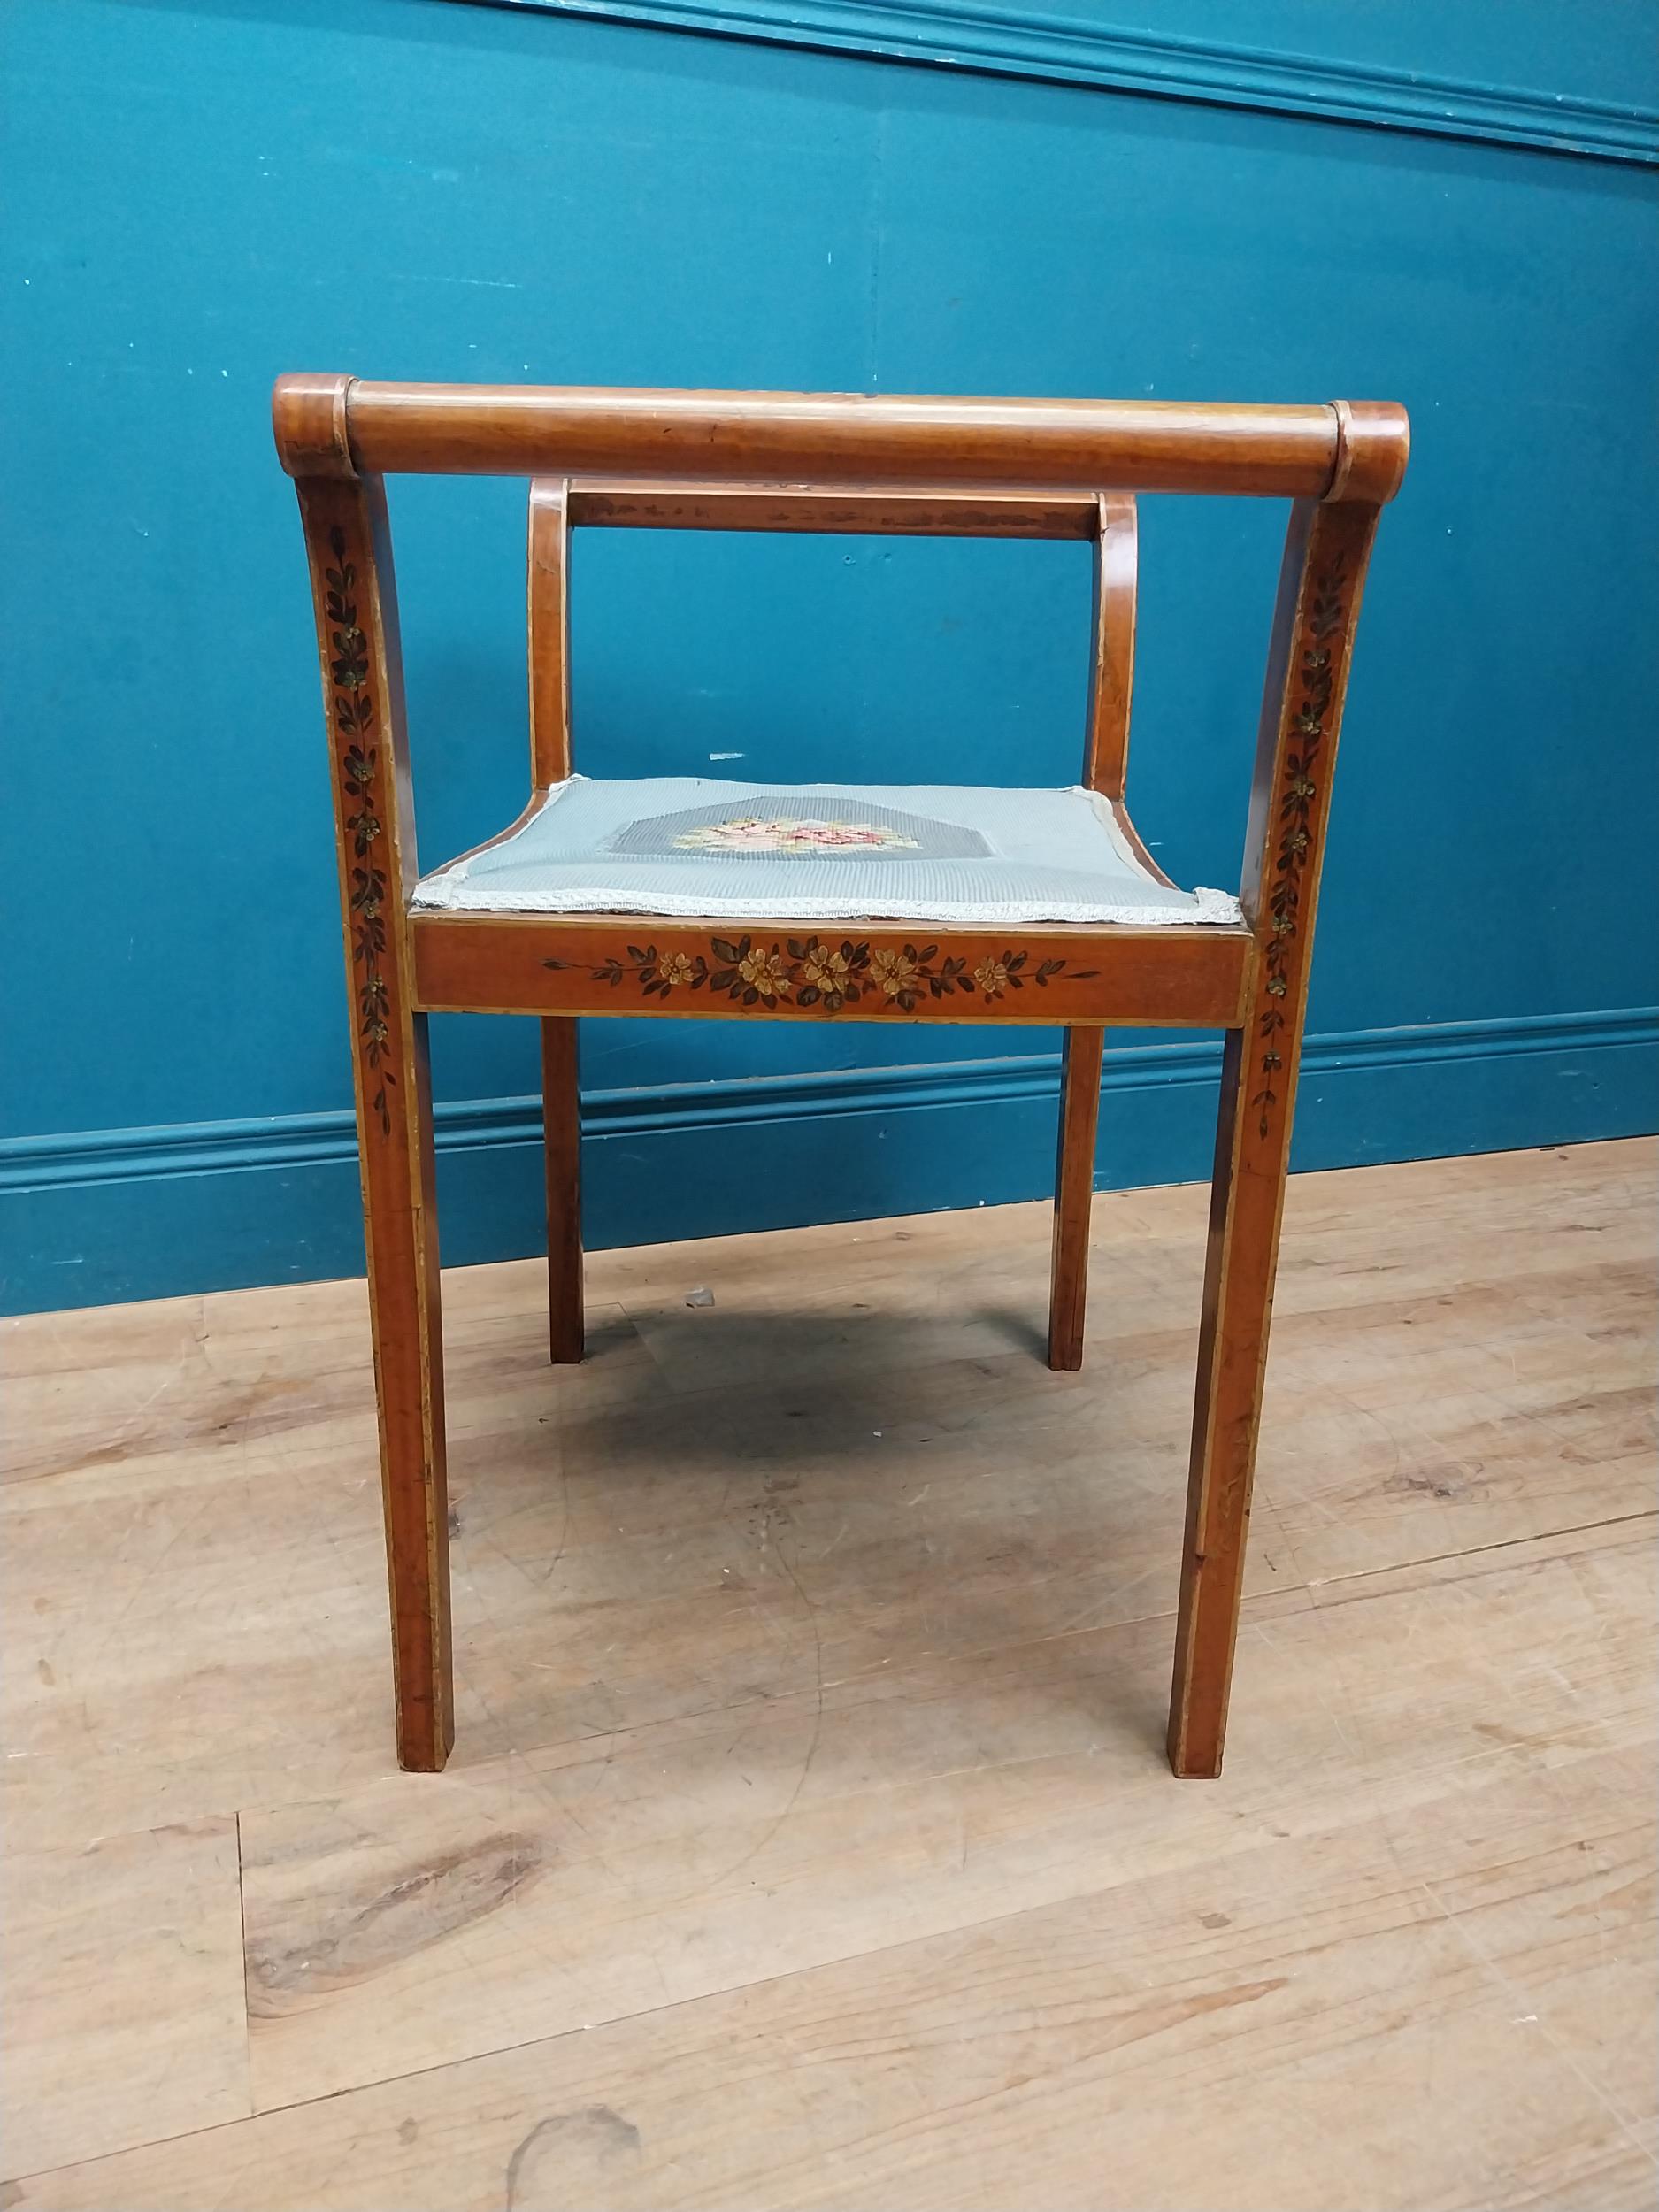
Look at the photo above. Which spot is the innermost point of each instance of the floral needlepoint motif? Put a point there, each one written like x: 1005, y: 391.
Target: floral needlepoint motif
x: 791, y: 833
x: 809, y: 973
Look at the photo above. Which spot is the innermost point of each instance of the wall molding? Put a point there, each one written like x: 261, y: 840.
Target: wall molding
x: 98, y: 1216
x: 287, y: 1142
x: 956, y: 34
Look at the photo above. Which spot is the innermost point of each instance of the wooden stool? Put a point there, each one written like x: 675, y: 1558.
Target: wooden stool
x: 511, y: 928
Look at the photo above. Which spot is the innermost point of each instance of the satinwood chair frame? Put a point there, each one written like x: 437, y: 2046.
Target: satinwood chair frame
x: 802, y: 462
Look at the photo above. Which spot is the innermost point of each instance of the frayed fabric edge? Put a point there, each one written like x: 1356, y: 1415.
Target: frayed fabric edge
x: 451, y: 893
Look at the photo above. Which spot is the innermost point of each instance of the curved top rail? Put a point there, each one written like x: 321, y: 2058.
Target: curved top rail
x: 339, y: 426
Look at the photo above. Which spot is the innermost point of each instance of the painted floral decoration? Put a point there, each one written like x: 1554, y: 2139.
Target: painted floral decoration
x: 1299, y: 790
x: 354, y: 720
x: 805, y: 972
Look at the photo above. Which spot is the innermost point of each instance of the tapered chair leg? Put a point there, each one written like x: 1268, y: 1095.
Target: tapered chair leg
x: 561, y: 1107
x: 1073, y: 1190
x: 395, y: 1132
x: 356, y: 632
x: 1325, y: 551
x: 1246, y: 1200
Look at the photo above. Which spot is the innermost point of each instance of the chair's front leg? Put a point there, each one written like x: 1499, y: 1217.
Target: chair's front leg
x: 561, y: 1110
x: 395, y: 1128
x: 1324, y: 572
x: 357, y: 628
x: 1073, y: 1190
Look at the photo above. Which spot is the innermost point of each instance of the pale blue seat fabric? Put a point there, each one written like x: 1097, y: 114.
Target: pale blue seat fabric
x: 692, y: 845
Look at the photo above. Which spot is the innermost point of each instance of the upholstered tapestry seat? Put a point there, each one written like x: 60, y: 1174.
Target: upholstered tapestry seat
x: 693, y: 845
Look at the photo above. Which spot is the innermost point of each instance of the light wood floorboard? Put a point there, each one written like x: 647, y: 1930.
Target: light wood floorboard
x: 807, y: 1840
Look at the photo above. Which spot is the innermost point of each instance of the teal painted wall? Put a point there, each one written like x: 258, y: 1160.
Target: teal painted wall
x: 201, y: 195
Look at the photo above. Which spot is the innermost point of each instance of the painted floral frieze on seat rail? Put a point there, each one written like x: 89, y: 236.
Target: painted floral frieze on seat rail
x: 806, y: 971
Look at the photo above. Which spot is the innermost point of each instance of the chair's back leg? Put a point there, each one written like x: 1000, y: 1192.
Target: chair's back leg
x: 561, y: 1111
x: 1319, y: 593
x: 1111, y: 684
x: 1073, y: 1191
x: 346, y: 536
x: 548, y: 617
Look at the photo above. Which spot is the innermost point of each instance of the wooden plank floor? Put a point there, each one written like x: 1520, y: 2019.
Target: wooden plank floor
x: 809, y: 1841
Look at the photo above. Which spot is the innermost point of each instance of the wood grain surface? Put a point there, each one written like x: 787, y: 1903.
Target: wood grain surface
x: 808, y: 1841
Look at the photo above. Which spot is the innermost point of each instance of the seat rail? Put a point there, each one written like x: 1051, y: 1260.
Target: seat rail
x: 1193, y: 977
